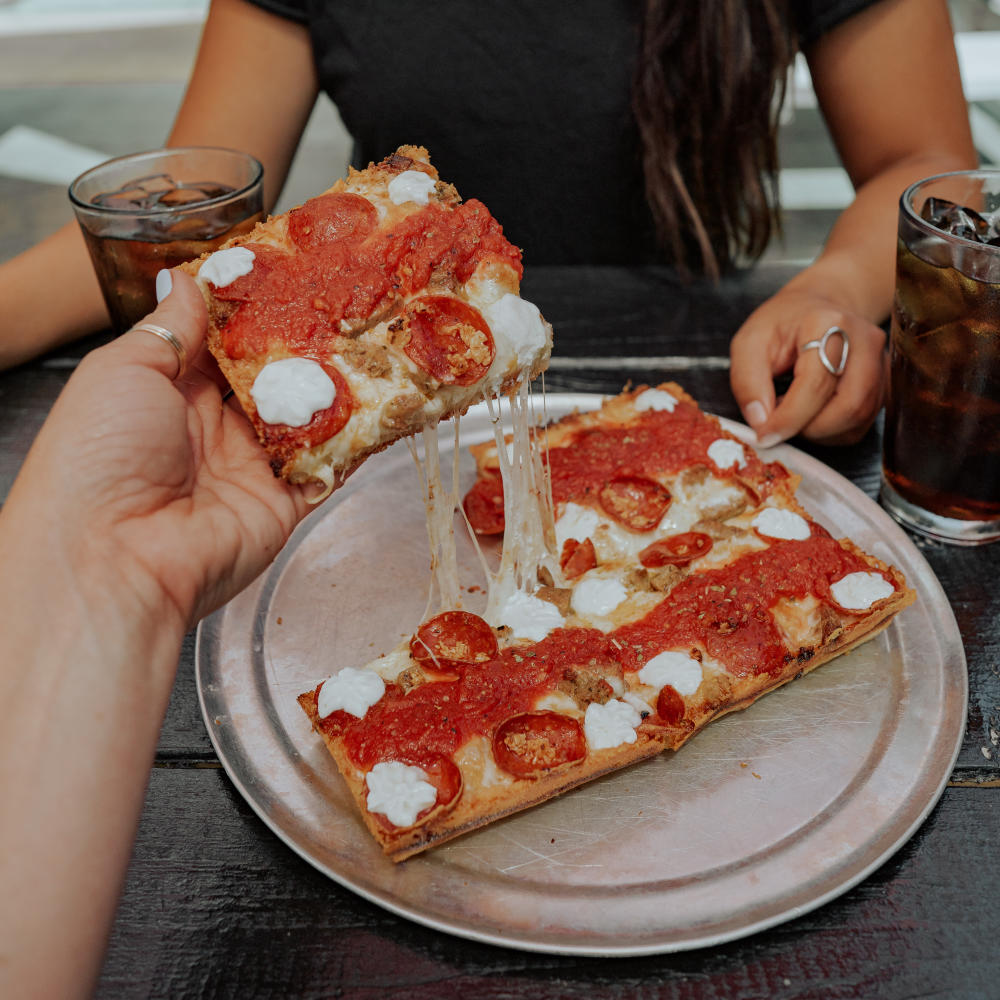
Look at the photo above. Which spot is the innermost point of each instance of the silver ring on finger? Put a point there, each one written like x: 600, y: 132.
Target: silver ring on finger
x: 170, y: 338
x: 820, y: 347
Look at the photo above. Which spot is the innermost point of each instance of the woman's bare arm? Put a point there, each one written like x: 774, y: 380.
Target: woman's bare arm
x: 887, y: 81
x: 252, y: 88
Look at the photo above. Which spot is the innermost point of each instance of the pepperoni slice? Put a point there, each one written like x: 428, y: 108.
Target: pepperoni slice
x: 531, y: 744
x: 577, y: 557
x: 452, y: 640
x: 331, y: 218
x: 448, y: 339
x: 639, y: 503
x: 676, y: 550
x: 670, y: 705
x: 265, y: 260
x: 443, y: 773
x: 483, y: 506
x: 285, y: 440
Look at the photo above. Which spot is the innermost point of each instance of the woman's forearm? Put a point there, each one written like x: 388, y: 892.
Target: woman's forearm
x: 857, y: 264
x: 50, y: 296
x: 88, y: 663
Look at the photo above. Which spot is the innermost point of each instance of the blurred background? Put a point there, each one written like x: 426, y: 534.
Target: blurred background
x: 65, y: 63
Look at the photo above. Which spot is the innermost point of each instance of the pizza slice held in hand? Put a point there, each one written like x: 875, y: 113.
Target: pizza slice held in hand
x: 376, y: 309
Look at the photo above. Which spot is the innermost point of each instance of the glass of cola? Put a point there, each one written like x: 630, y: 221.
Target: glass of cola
x: 148, y: 211
x: 941, y: 445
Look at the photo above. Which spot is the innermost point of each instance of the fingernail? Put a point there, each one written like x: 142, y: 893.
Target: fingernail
x: 769, y: 440
x: 755, y: 413
x: 164, y: 284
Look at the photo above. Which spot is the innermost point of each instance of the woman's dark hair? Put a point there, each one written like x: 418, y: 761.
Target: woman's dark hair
x: 709, y: 84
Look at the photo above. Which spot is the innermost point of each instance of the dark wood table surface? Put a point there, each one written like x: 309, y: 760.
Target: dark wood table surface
x: 215, y: 905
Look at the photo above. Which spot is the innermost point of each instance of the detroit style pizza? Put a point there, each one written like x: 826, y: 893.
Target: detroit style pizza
x: 376, y: 309
x: 657, y: 573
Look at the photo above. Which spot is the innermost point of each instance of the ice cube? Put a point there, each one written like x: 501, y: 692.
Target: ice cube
x: 956, y: 220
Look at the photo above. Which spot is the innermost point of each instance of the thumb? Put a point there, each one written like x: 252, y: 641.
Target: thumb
x: 170, y: 336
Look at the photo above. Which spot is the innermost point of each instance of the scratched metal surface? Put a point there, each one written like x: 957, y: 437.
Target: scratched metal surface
x: 765, y: 815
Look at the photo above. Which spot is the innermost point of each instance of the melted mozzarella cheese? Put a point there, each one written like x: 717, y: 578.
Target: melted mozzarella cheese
x: 475, y: 760
x: 777, y: 523
x: 224, y: 266
x: 597, y: 596
x: 529, y: 617
x: 529, y: 533
x: 655, y: 399
x: 398, y: 791
x: 682, y: 672
x: 351, y: 690
x: 411, y: 185
x: 291, y: 391
x: 439, y: 507
x: 859, y: 591
x: 726, y: 453
x: 611, y: 724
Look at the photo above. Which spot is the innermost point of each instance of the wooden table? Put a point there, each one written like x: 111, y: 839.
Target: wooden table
x: 215, y: 905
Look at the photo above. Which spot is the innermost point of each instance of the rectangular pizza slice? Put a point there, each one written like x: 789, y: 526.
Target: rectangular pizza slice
x: 682, y: 580
x: 378, y: 308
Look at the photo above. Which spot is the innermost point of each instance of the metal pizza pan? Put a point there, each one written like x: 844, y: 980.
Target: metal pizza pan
x: 763, y: 816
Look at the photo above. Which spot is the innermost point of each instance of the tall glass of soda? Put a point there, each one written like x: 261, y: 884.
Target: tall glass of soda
x: 941, y: 446
x: 158, y: 209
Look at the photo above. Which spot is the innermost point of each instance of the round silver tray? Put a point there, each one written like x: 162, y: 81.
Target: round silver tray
x: 764, y: 816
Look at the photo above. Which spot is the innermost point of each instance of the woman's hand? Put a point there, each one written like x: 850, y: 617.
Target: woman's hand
x: 155, y: 478
x: 827, y: 408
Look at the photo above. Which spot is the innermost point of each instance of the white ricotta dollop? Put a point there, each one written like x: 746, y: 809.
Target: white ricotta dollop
x: 224, y: 266
x: 519, y: 323
x: 575, y: 522
x: 290, y: 391
x: 351, y: 690
x: 859, y: 591
x: 610, y: 724
x: 529, y: 617
x: 411, y: 185
x: 682, y: 672
x: 400, y: 792
x: 655, y: 399
x: 597, y: 596
x: 777, y: 523
x: 726, y: 453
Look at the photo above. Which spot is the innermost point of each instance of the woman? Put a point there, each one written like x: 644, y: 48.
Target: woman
x: 597, y: 133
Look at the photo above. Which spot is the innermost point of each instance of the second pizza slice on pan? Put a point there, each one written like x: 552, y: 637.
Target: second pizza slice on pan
x: 683, y: 582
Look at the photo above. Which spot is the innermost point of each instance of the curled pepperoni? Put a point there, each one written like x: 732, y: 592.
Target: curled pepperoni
x: 670, y: 705
x: 443, y: 773
x: 452, y: 640
x: 483, y: 506
x: 331, y: 218
x: 284, y: 440
x: 676, y: 550
x: 639, y: 503
x: 448, y: 339
x: 577, y: 557
x: 531, y: 744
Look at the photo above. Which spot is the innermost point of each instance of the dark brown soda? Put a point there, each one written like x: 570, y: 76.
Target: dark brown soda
x: 942, y: 445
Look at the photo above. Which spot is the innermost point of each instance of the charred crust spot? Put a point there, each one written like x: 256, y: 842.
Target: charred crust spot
x: 398, y: 162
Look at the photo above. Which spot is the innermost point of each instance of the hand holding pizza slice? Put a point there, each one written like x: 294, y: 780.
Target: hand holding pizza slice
x: 374, y: 310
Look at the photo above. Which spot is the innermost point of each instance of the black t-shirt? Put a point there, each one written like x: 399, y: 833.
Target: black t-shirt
x: 523, y: 104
